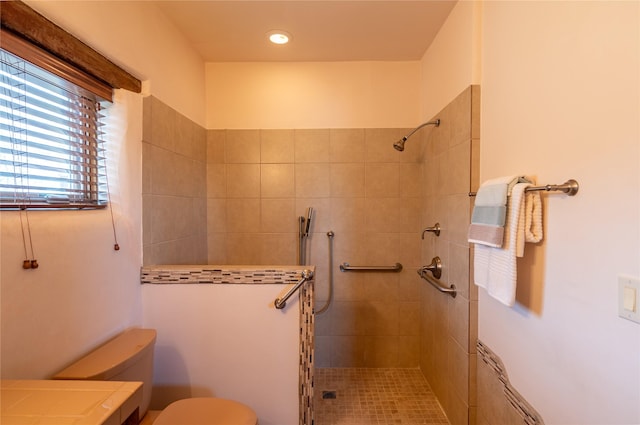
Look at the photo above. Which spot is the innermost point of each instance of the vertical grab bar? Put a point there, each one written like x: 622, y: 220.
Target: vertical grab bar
x: 279, y: 303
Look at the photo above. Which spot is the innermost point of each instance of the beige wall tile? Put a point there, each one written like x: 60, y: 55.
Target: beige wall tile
x: 243, y: 180
x: 243, y: 215
x: 147, y: 168
x: 163, y: 125
x: 458, y: 370
x: 312, y: 180
x: 475, y: 111
x: 312, y: 146
x: 322, y: 351
x: 379, y: 144
x: 277, y: 146
x: 411, y: 182
x: 349, y: 318
x: 381, y: 351
x: 347, y: 180
x: 215, y: 146
x: 242, y: 146
x: 382, y: 318
x: 408, y: 215
x: 348, y: 215
x: 346, y: 145
x: 408, y: 351
x: 243, y: 248
x: 459, y: 321
x: 217, y: 248
x: 380, y: 287
x: 409, y: 318
x: 216, y: 181
x: 459, y: 218
x: 459, y: 269
x: 459, y: 174
x: 278, y: 248
x: 458, y: 410
x: 460, y: 114
x: 348, y: 351
x: 277, y: 181
x: 382, y: 180
x: 277, y: 216
x: 382, y: 215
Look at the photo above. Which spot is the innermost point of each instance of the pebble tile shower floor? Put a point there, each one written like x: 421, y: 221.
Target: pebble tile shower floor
x: 374, y: 396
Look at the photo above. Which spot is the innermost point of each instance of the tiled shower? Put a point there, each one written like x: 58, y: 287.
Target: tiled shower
x: 241, y: 205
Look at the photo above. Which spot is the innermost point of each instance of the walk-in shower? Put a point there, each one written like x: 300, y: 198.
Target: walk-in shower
x: 399, y: 145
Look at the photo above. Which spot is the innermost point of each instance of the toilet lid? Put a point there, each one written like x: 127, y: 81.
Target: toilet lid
x: 206, y: 411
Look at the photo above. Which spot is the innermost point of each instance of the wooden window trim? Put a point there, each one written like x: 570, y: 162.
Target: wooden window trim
x: 20, y: 19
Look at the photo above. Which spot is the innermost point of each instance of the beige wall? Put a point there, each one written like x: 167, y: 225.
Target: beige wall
x: 312, y: 95
x: 138, y: 37
x: 452, y: 62
x: 560, y: 100
x: 84, y: 291
x: 449, y: 325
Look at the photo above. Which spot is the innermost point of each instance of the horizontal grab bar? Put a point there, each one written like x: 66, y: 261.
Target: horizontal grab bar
x: 450, y: 290
x: 281, y: 302
x: 345, y: 267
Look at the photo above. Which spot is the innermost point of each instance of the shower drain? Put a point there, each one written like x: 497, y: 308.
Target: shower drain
x: 328, y: 395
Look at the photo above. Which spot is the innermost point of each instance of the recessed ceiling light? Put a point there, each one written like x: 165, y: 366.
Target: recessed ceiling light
x: 279, y: 36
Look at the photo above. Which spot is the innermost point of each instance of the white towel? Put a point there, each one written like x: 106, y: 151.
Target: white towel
x: 495, y: 268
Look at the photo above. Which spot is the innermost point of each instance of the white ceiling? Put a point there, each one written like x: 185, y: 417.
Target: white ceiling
x: 325, y: 30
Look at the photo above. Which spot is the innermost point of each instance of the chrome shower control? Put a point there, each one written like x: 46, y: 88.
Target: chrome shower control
x: 434, y: 229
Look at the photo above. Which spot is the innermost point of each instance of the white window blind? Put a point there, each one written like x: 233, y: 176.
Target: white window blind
x: 51, y: 149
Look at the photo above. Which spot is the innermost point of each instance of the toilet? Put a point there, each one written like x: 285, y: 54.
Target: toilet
x: 129, y: 357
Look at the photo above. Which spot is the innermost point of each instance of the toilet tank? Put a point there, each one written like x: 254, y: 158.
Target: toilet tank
x: 127, y: 357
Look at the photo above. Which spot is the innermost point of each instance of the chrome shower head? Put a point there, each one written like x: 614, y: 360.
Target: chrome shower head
x: 399, y: 145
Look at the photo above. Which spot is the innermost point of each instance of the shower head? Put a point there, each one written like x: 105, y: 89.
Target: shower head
x: 399, y: 145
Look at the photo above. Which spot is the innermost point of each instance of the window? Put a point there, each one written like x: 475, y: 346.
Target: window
x: 51, y: 152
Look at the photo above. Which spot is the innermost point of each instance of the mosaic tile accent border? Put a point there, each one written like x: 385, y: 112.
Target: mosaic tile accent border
x: 218, y: 275
x: 524, y: 409
x: 179, y: 274
x: 307, y: 347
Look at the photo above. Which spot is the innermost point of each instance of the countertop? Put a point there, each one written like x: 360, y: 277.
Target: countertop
x: 61, y: 402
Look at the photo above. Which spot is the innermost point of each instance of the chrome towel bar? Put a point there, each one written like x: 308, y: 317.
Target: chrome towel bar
x: 450, y: 290
x: 570, y: 187
x: 345, y: 267
x: 279, y: 303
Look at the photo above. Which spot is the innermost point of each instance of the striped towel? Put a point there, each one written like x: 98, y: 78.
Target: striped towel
x: 490, y: 210
x: 495, y: 268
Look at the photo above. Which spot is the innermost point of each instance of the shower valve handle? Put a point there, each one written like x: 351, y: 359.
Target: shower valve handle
x: 435, y: 268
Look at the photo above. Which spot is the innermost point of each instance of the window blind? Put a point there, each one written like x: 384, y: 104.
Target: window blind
x: 51, y: 146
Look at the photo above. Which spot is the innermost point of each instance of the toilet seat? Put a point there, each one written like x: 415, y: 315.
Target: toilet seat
x: 206, y: 411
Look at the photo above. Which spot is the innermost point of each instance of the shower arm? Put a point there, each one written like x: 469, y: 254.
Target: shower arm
x: 435, y: 122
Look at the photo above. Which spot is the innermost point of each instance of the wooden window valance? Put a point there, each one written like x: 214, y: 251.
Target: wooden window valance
x: 30, y: 26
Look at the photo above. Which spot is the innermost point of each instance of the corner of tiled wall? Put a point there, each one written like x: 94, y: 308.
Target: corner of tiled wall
x: 448, y: 357
x: 174, y: 187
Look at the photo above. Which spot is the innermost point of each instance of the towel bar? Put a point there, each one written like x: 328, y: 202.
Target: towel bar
x: 570, y: 187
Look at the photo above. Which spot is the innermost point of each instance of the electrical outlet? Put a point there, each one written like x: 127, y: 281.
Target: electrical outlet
x: 629, y: 298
